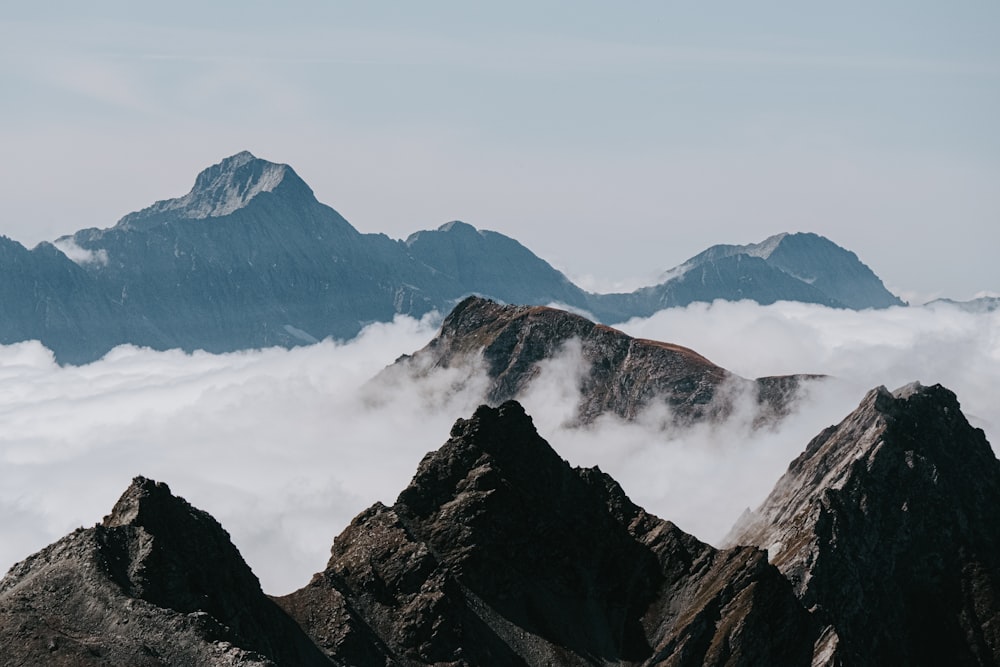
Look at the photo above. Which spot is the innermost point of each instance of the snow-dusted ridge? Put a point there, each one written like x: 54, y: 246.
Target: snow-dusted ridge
x: 222, y: 189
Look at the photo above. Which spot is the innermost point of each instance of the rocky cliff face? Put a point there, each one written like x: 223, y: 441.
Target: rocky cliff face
x: 498, y: 552
x: 886, y: 527
x: 622, y: 375
x: 156, y: 583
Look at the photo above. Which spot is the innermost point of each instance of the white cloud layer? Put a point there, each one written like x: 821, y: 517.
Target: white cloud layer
x: 284, y: 447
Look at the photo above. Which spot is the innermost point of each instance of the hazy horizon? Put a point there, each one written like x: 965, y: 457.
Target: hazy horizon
x: 613, y: 141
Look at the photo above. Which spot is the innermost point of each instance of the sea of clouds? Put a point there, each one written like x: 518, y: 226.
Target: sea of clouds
x: 284, y: 447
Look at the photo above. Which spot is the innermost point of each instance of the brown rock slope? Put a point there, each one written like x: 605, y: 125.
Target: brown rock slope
x: 156, y: 583
x: 623, y: 375
x: 888, y: 527
x: 500, y: 553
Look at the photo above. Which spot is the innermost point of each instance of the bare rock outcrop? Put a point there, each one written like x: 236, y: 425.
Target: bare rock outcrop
x: 888, y: 528
x: 157, y: 582
x: 623, y: 375
x: 500, y: 553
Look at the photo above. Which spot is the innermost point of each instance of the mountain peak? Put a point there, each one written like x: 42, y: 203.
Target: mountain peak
x: 817, y: 264
x: 142, y: 496
x: 458, y: 226
x: 892, y: 515
x: 225, y: 188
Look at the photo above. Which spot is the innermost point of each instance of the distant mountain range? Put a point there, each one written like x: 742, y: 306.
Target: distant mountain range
x: 249, y: 258
x: 879, y: 546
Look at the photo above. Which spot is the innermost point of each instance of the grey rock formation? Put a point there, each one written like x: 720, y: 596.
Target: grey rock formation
x: 621, y: 375
x: 887, y: 528
x: 156, y: 583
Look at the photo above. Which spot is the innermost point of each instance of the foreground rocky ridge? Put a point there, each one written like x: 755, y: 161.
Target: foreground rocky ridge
x: 881, y: 535
x: 886, y: 527
x: 621, y: 375
x: 500, y: 553
x: 249, y: 258
x: 157, y: 582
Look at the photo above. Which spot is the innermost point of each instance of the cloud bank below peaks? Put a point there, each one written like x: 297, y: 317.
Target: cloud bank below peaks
x: 284, y: 447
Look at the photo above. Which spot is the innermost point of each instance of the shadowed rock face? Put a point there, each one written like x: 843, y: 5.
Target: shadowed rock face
x: 156, y: 583
x: 498, y: 552
x: 622, y: 375
x: 887, y: 526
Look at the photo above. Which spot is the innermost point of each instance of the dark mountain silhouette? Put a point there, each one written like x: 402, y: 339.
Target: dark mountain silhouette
x: 249, y: 258
x: 882, y: 540
x: 621, y: 375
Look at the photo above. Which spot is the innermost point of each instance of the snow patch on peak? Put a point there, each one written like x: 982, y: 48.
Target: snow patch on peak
x: 458, y: 226
x: 240, y: 159
x: 222, y: 189
x: 228, y: 186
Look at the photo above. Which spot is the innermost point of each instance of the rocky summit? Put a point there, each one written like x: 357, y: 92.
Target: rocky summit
x: 887, y: 528
x: 249, y: 258
x: 500, y: 553
x: 620, y: 375
x: 157, y: 582
x: 877, y: 547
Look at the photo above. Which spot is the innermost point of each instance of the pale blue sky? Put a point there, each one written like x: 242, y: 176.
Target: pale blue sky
x: 614, y: 139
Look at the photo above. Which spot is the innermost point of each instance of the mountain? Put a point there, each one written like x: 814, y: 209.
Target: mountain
x: 886, y: 527
x: 485, y: 262
x: 500, y: 553
x: 249, y: 258
x: 784, y: 267
x: 877, y: 547
x: 983, y: 304
x: 44, y: 296
x: 621, y: 375
x: 157, y: 582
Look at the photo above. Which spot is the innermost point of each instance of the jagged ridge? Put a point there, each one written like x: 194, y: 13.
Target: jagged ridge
x: 499, y: 552
x: 886, y: 526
